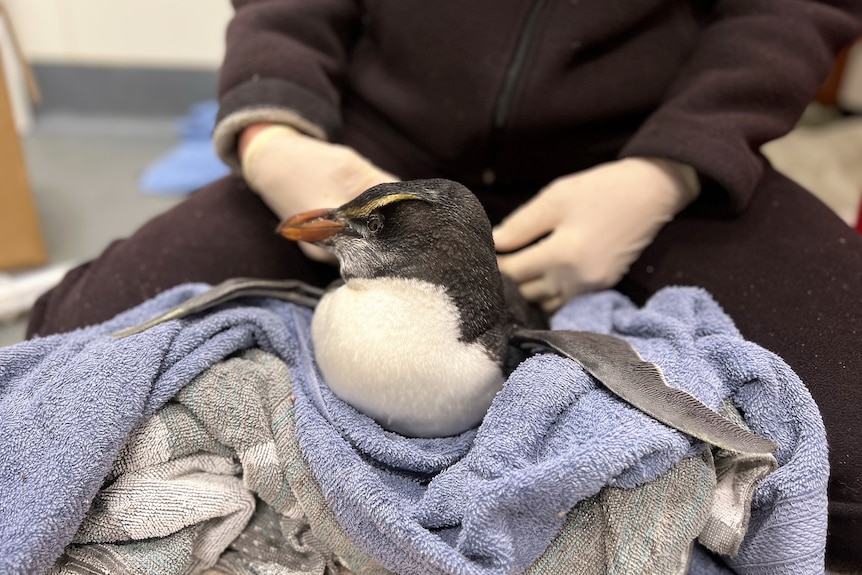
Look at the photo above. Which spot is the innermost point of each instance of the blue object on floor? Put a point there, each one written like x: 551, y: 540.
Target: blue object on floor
x: 193, y: 163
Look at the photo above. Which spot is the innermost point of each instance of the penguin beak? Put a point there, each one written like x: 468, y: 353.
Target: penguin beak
x: 311, y: 227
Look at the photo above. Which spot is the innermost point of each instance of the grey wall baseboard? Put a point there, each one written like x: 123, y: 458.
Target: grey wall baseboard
x: 104, y: 90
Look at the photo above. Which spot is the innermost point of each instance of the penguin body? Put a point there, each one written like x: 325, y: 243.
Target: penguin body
x: 391, y: 348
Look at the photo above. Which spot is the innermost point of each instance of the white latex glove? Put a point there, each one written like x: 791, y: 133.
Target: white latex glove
x: 294, y: 173
x: 597, y: 223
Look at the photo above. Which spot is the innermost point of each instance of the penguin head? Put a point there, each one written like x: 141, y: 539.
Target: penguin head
x: 423, y: 229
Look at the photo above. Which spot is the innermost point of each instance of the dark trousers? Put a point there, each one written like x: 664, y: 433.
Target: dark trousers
x: 787, y: 270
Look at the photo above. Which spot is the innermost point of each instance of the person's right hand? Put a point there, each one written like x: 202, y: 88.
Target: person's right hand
x: 295, y: 173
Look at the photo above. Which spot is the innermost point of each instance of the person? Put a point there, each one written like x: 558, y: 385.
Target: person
x: 611, y: 143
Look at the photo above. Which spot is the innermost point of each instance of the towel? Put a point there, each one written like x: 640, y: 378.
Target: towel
x: 488, y: 501
x: 203, y: 482
x: 68, y: 403
x: 179, y: 497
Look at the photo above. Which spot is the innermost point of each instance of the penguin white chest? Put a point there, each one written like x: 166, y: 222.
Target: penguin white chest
x: 390, y: 348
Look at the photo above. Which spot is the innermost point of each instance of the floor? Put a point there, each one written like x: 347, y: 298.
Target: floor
x: 84, y: 172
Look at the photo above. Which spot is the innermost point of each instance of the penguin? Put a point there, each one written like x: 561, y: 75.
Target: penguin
x: 417, y: 336
x: 423, y: 329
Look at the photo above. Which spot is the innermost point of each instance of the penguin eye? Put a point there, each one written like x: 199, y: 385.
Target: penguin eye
x: 374, y: 223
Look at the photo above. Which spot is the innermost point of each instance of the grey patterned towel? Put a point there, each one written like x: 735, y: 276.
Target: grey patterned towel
x: 215, y: 481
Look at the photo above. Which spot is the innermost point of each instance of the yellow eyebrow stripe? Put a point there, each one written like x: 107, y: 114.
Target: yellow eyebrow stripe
x: 365, y: 209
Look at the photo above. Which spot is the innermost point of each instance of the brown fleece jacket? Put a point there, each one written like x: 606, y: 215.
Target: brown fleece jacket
x: 515, y: 93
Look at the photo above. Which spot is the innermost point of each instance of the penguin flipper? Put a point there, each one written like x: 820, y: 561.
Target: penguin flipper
x: 293, y: 291
x: 641, y: 384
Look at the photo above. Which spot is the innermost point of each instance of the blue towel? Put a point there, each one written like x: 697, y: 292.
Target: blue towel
x: 69, y: 401
x: 192, y: 163
x: 485, y: 502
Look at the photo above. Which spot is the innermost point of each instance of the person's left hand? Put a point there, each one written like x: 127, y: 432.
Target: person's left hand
x: 597, y: 223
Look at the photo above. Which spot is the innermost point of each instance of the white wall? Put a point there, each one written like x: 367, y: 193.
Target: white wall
x: 175, y: 33
x: 161, y: 33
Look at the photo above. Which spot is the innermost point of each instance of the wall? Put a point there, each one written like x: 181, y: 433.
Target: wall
x: 123, y: 33
x: 178, y: 34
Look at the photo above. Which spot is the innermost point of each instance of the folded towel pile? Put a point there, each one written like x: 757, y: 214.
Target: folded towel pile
x: 488, y: 501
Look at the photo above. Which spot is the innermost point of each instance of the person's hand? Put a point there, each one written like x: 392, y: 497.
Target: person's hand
x: 596, y: 222
x: 294, y: 173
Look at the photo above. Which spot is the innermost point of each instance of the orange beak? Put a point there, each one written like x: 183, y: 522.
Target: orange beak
x: 313, y: 226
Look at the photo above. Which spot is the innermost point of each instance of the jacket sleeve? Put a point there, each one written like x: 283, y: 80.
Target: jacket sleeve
x: 284, y: 62
x: 755, y: 67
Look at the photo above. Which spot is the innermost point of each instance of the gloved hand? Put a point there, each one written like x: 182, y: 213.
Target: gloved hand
x: 294, y: 173
x: 597, y: 223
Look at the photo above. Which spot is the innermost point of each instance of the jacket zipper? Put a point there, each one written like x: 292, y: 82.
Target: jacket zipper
x: 503, y: 105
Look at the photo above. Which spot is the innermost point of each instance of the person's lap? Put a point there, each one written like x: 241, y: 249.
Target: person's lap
x: 787, y: 270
